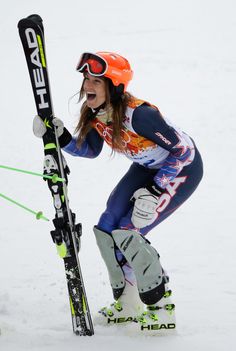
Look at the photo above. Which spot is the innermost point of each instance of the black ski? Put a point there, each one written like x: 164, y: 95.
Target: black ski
x: 66, y: 234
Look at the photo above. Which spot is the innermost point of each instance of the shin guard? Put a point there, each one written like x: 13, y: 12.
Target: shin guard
x: 106, y: 246
x: 144, y: 260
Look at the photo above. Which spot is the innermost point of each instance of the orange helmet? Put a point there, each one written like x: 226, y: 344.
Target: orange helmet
x: 107, y: 64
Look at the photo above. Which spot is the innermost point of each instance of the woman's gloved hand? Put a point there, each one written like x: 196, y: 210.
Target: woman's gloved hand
x: 39, y: 129
x: 146, y: 202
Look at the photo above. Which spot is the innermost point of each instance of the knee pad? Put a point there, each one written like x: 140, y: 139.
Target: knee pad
x: 144, y: 260
x: 106, y: 246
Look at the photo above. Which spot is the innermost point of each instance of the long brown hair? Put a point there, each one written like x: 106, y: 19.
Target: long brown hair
x: 117, y: 115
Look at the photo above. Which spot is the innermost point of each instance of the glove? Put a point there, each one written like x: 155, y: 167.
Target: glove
x: 39, y: 129
x: 146, y: 201
x: 59, y: 126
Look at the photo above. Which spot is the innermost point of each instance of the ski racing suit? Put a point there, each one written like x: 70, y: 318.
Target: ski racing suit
x: 159, y: 152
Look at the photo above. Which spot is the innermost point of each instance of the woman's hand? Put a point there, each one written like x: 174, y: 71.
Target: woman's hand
x: 39, y: 129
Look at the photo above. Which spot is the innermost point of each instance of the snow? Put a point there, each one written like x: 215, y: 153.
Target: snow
x: 184, y: 59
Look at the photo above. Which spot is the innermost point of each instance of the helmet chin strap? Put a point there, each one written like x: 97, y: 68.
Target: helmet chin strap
x: 94, y: 111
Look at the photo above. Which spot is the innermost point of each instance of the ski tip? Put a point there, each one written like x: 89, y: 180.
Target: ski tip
x: 36, y: 19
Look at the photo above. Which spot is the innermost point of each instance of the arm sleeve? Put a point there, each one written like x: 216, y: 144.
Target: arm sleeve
x: 148, y: 122
x: 90, y: 148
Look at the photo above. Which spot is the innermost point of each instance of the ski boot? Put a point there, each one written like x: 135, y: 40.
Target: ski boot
x: 124, y: 310
x: 158, y: 318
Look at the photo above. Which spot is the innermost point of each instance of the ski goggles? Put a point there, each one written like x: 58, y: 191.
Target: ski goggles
x: 93, y: 64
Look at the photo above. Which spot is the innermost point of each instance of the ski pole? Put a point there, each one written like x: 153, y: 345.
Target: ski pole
x: 54, y: 178
x: 39, y: 215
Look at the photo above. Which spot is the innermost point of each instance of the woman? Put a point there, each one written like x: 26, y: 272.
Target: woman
x: 166, y: 169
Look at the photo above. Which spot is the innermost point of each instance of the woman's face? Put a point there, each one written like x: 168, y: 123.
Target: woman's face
x: 95, y: 90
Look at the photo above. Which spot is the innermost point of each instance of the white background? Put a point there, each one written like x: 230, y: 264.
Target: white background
x: 184, y: 59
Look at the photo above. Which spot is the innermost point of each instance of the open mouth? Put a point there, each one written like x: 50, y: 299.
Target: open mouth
x: 91, y: 96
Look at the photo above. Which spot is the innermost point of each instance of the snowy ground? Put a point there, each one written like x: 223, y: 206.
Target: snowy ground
x: 184, y: 57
